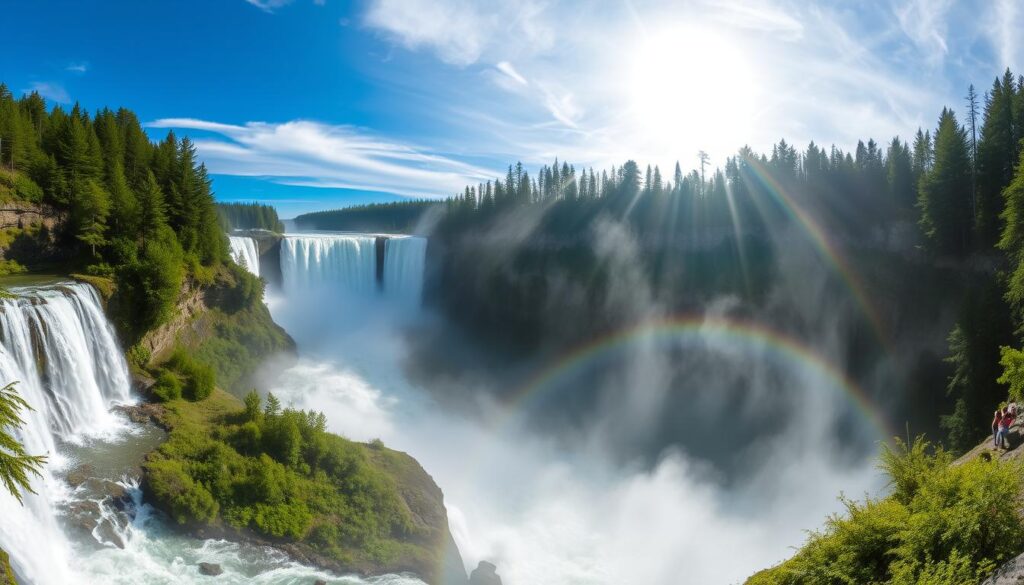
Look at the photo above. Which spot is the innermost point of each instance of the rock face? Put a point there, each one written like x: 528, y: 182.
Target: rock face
x: 1011, y: 573
x: 210, y: 569
x: 485, y: 574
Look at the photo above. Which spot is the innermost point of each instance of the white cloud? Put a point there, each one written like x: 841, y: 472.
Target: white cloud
x: 51, y: 91
x: 78, y: 67
x: 313, y: 154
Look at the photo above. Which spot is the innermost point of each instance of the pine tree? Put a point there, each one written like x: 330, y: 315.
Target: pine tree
x: 900, y: 174
x: 995, y: 165
x: 944, y: 193
x: 16, y: 465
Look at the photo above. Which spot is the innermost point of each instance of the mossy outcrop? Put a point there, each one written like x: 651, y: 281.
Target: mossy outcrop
x: 276, y: 478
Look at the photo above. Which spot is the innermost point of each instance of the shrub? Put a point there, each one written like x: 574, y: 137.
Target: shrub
x: 183, y: 498
x: 167, y: 387
x: 199, y: 379
x: 943, y: 524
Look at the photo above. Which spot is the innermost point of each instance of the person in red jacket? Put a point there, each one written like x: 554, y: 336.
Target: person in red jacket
x: 1004, y: 429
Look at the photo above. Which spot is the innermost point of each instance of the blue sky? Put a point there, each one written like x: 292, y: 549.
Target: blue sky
x: 313, y: 104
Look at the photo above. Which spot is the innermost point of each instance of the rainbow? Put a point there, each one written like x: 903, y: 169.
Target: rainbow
x: 825, y: 248
x: 686, y: 329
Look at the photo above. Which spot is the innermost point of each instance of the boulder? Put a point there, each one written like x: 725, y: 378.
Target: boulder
x: 485, y: 574
x: 210, y: 569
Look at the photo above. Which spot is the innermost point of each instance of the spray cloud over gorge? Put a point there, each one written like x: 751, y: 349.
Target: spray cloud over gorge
x: 686, y: 437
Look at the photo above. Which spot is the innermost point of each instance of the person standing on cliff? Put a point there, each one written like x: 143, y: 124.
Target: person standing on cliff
x: 1004, y: 429
x: 995, y: 427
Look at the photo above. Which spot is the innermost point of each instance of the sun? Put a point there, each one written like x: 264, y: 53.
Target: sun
x: 690, y: 89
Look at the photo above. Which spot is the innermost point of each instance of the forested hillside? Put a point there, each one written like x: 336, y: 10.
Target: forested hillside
x: 139, y: 212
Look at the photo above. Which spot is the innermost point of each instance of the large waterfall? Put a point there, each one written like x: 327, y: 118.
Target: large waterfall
x: 57, y: 344
x: 245, y: 253
x: 404, y: 258
x: 350, y: 263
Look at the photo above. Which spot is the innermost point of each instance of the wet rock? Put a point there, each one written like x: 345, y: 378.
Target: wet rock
x: 485, y: 574
x: 143, y: 413
x: 104, y: 488
x: 210, y: 569
x: 106, y: 533
x: 84, y: 514
x: 80, y: 474
x: 319, y: 582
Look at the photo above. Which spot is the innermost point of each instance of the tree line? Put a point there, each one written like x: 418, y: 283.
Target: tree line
x: 248, y: 216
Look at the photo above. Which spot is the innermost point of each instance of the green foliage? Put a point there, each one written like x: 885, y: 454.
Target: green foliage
x: 253, y: 411
x: 198, y: 379
x: 247, y: 216
x: 9, y: 267
x: 148, y: 285
x: 16, y: 466
x: 1012, y: 240
x: 167, y: 386
x: 279, y: 473
x: 943, y: 524
x: 1012, y: 361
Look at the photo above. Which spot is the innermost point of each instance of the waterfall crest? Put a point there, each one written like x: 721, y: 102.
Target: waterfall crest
x: 245, y: 253
x: 348, y: 263
x: 57, y: 344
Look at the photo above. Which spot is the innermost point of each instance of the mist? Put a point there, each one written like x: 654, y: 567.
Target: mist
x: 621, y: 491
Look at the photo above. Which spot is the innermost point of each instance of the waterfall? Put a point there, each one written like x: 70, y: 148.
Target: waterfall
x: 347, y: 262
x: 57, y: 344
x: 404, y: 258
x: 245, y: 253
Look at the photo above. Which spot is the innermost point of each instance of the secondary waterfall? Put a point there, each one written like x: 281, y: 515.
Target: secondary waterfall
x: 245, y: 253
x: 404, y: 259
x: 57, y: 344
x: 349, y: 262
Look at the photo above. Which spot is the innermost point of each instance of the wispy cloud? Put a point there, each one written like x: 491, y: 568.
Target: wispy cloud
x: 269, y: 5
x: 924, y: 22
x: 77, y: 67
x: 51, y: 91
x: 313, y: 154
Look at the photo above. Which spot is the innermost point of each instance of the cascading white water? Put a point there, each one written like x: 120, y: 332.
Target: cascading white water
x: 245, y: 253
x: 57, y: 344
x: 348, y: 262
x: 404, y: 259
